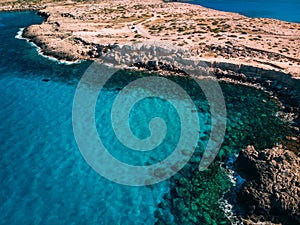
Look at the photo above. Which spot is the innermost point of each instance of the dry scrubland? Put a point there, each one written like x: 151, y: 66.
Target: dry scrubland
x: 73, y: 29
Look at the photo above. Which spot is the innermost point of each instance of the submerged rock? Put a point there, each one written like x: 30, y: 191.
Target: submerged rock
x: 272, y: 187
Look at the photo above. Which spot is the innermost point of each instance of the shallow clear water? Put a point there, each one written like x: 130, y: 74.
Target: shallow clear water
x: 277, y: 9
x: 45, y: 180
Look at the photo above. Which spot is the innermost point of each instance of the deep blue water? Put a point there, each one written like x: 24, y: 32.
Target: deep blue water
x: 278, y: 9
x: 44, y: 178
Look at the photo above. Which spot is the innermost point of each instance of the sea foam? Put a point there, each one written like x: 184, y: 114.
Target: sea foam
x: 19, y: 36
x: 228, y: 201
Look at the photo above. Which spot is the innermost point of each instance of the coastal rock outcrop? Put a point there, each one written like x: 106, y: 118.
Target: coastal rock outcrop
x: 272, y: 187
x: 75, y: 30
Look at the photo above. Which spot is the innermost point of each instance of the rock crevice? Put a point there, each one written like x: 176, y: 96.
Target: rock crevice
x: 272, y: 187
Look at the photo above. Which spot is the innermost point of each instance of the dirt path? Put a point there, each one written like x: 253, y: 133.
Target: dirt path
x: 138, y: 28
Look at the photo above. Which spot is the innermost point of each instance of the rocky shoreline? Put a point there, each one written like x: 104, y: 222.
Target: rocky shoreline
x: 278, y: 85
x: 167, y: 61
x: 230, y: 50
x: 272, y: 188
x: 240, y: 57
x: 73, y: 31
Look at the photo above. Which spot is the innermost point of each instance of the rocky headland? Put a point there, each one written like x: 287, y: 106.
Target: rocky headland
x: 73, y: 30
x: 184, y: 39
x: 237, y: 48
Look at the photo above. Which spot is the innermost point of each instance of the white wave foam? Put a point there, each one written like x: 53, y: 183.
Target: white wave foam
x: 19, y: 35
x: 235, y: 178
x: 237, y: 182
x: 229, y: 212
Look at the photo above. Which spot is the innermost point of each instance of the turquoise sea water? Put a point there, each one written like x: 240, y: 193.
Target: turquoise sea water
x: 277, y: 9
x: 45, y: 180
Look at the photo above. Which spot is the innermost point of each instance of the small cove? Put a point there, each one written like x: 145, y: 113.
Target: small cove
x: 45, y: 179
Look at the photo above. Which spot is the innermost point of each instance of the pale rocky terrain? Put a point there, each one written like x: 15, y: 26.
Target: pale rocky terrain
x: 75, y: 30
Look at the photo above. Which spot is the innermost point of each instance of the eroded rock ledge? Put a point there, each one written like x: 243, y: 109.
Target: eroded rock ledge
x: 165, y: 60
x: 78, y: 30
x: 272, y: 187
x: 264, y: 51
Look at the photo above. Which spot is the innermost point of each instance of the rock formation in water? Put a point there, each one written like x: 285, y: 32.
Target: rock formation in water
x: 272, y: 187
